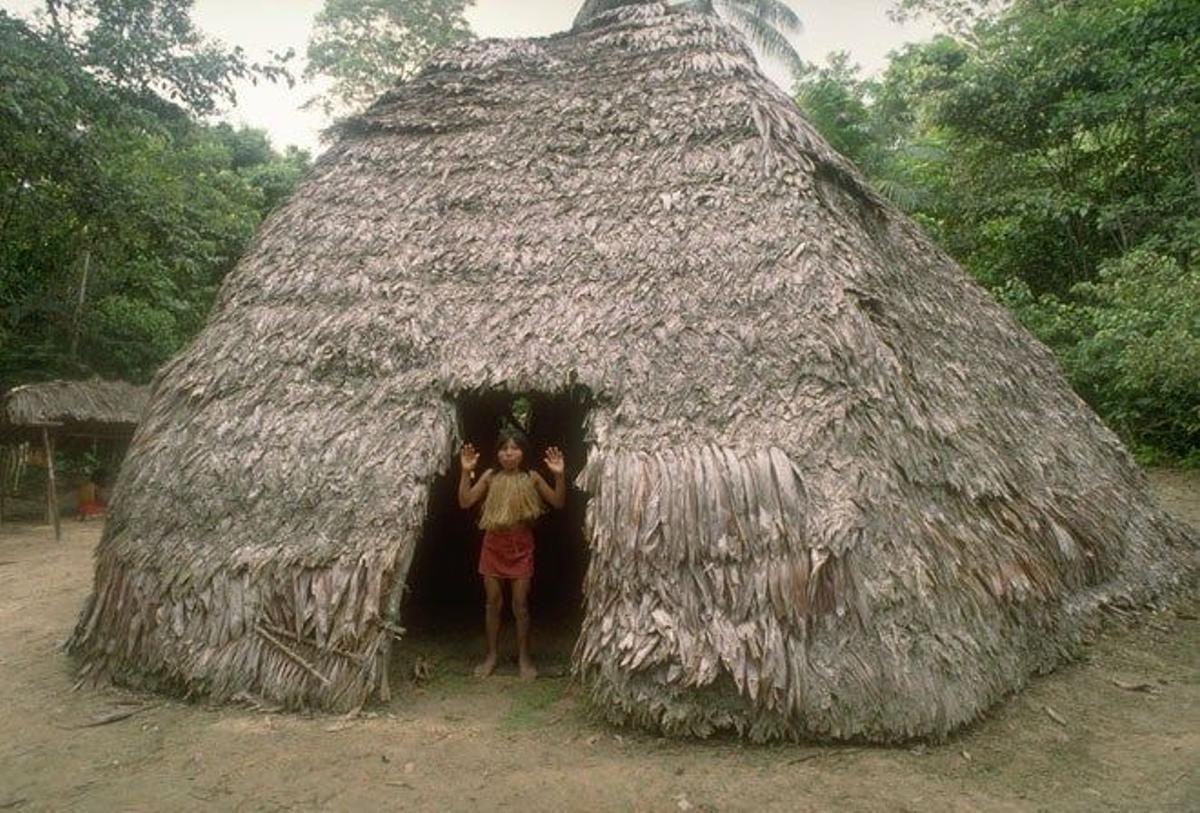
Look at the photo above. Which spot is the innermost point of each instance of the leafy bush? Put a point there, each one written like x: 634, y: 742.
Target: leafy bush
x: 1129, y: 341
x: 1050, y: 148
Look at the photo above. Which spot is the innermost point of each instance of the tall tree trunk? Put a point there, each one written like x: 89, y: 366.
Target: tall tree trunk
x: 77, y: 323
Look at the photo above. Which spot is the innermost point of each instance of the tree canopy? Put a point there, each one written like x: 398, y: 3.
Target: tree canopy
x: 152, y: 47
x: 120, y: 211
x: 367, y: 46
x: 1053, y: 147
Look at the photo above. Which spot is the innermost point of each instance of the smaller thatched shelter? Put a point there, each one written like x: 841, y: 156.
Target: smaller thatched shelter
x: 55, y: 411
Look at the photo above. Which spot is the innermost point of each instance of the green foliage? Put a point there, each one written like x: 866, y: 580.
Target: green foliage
x: 1129, y: 341
x: 152, y: 48
x: 534, y: 704
x: 836, y: 100
x: 960, y: 17
x: 119, y: 215
x: 1072, y: 116
x: 1052, y: 148
x: 132, y: 335
x: 81, y: 465
x: 368, y: 46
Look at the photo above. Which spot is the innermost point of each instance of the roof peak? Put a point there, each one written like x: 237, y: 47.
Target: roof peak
x: 593, y: 9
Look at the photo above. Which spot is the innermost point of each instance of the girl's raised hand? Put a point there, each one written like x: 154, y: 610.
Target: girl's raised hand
x: 469, y: 458
x: 555, y: 461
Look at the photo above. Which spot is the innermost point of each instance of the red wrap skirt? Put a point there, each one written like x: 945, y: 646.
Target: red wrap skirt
x: 507, y: 553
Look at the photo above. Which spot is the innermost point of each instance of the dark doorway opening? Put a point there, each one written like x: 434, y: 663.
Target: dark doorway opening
x: 442, y: 608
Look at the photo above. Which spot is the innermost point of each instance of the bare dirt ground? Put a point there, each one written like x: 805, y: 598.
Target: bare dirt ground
x: 1118, y: 730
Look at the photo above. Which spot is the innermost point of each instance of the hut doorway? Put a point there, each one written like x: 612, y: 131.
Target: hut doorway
x: 442, y: 608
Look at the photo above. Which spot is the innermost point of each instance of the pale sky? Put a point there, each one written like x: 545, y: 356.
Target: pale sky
x: 860, y: 27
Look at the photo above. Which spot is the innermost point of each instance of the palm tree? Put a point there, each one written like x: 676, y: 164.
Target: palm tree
x: 765, y: 23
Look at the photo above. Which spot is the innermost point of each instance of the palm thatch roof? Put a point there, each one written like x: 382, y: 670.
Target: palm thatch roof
x: 836, y: 490
x: 96, y: 402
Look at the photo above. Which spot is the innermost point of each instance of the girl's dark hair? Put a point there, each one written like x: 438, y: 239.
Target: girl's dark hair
x: 510, y: 431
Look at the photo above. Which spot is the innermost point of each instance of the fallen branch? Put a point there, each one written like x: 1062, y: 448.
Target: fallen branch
x: 299, y: 661
x: 256, y: 703
x: 1055, y: 716
x: 825, y: 752
x: 114, y: 716
x: 1134, y: 687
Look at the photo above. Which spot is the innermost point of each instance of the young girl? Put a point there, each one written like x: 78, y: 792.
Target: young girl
x: 514, y: 499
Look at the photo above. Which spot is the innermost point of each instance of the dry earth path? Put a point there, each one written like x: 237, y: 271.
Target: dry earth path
x: 1118, y: 730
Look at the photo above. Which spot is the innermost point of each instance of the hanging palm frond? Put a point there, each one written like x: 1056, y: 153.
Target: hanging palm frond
x: 766, y: 24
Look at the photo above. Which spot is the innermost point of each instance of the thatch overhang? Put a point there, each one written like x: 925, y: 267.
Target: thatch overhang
x: 836, y: 490
x: 94, y: 408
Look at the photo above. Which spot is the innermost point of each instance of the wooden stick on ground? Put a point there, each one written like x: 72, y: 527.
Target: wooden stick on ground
x: 1141, y: 686
x: 114, y: 716
x: 1054, y: 715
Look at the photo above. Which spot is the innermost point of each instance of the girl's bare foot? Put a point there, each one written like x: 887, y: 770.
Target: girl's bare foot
x: 526, y: 669
x: 487, y: 667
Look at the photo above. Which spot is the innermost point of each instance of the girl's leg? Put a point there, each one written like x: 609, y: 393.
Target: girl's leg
x: 494, y: 602
x: 520, y: 601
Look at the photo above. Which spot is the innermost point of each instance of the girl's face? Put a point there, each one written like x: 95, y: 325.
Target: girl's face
x: 510, y: 455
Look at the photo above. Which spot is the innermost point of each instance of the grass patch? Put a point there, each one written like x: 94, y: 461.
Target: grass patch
x: 537, y: 704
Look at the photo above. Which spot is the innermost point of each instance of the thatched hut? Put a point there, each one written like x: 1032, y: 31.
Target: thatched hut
x: 53, y: 413
x: 91, y: 408
x: 835, y: 489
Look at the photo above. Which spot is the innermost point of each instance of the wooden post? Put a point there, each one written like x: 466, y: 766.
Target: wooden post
x: 51, y: 491
x: 6, y: 454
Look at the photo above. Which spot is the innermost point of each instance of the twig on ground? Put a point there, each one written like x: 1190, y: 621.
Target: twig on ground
x: 1134, y: 687
x: 1055, y: 716
x: 256, y: 703
x: 114, y: 716
x: 828, y: 752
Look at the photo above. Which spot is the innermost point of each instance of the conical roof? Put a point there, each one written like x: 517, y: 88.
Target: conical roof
x: 836, y: 490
